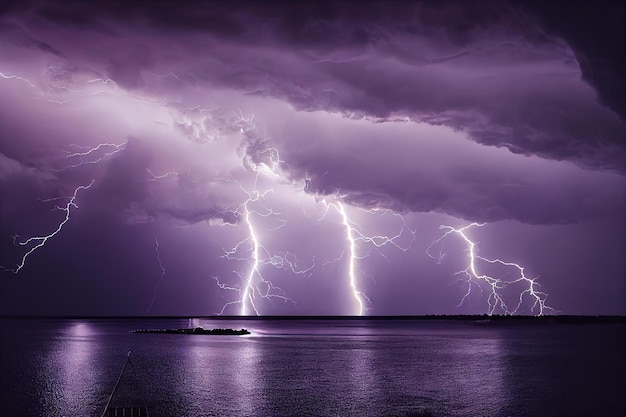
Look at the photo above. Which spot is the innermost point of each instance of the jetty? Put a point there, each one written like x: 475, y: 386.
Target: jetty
x: 196, y: 331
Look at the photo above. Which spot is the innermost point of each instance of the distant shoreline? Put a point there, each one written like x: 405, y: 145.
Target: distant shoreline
x: 471, y: 318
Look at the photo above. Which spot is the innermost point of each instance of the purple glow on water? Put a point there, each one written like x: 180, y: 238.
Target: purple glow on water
x: 316, y: 367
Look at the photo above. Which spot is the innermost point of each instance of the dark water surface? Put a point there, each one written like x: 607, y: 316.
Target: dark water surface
x: 315, y: 368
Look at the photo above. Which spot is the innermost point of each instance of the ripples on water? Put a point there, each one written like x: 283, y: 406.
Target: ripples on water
x: 316, y: 368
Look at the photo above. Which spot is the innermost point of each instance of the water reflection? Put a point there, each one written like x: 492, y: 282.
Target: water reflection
x: 67, y: 368
x: 438, y: 375
x: 476, y: 374
x: 70, y: 371
x: 359, y: 372
x: 223, y: 369
x: 247, y: 377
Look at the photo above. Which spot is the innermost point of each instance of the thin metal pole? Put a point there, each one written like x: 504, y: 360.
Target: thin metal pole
x: 116, y: 384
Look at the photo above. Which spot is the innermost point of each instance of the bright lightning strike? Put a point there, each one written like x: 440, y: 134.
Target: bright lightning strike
x: 254, y: 284
x: 358, y: 295
x: 354, y: 233
x: 248, y: 291
x: 495, y: 286
x: 40, y: 241
x: 265, y: 161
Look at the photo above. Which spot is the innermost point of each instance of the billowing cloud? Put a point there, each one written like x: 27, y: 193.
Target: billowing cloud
x: 422, y: 168
x: 503, y: 80
x: 197, y: 124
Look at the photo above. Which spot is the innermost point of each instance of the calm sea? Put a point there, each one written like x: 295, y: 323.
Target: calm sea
x: 314, y: 368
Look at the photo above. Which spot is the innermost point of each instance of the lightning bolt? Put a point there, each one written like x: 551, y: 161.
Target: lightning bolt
x: 358, y: 295
x: 41, y: 92
x: 158, y: 257
x: 76, y: 159
x: 47, y: 95
x: 354, y: 233
x: 248, y: 290
x: 99, y: 152
x: 259, y: 255
x: 40, y: 241
x: 156, y: 177
x: 496, y: 286
x: 254, y: 284
x: 25, y: 80
x: 223, y: 286
x: 265, y: 161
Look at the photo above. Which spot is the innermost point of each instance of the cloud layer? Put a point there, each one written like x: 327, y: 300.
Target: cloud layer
x: 481, y: 111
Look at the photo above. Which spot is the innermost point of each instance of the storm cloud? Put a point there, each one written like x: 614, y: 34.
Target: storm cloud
x: 192, y: 117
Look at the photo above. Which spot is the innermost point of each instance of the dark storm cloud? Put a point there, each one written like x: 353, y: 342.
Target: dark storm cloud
x: 596, y: 31
x: 487, y: 68
x: 507, y: 86
x: 422, y: 168
x: 15, y: 34
x: 206, y: 126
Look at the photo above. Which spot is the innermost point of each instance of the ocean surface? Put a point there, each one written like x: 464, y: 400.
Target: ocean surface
x: 68, y: 367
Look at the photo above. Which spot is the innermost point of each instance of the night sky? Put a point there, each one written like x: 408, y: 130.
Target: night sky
x: 199, y: 158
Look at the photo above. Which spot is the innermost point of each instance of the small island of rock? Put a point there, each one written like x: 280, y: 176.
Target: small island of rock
x: 196, y: 330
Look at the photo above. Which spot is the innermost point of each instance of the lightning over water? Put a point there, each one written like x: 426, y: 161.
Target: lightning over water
x: 304, y: 168
x: 529, y: 292
x: 262, y: 161
x: 429, y: 194
x: 261, y: 164
x: 254, y: 277
x: 253, y: 283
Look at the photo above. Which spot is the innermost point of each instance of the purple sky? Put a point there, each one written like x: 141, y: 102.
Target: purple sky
x: 300, y: 158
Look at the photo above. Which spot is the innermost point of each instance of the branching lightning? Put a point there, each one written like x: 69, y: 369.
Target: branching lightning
x: 263, y: 161
x: 254, y: 280
x: 354, y: 233
x: 99, y: 153
x: 78, y: 156
x: 495, y: 286
x: 254, y: 284
x: 40, y: 241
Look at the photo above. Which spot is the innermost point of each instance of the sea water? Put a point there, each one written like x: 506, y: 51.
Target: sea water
x: 68, y: 367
